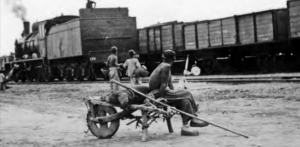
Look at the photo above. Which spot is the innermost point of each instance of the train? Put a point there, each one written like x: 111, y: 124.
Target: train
x: 77, y: 47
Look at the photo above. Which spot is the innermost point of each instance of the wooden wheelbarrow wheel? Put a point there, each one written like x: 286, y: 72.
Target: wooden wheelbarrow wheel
x: 103, y: 130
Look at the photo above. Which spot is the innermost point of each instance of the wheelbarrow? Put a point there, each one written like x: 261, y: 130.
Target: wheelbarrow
x: 103, y: 120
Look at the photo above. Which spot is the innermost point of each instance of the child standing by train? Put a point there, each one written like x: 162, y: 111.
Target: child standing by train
x: 132, y: 64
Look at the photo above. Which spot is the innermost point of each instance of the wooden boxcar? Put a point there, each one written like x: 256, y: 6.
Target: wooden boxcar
x: 233, y: 37
x: 294, y: 18
x: 159, y: 37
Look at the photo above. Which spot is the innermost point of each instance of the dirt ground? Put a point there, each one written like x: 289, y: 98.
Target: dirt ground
x: 54, y: 115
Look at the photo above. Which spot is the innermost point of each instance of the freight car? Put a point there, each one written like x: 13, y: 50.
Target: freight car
x: 260, y: 35
x: 294, y: 25
x: 73, y: 47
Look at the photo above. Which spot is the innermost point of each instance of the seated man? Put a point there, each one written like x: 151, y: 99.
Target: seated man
x: 183, y: 100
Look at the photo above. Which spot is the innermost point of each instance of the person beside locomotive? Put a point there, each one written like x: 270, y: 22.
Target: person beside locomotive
x: 160, y: 85
x: 89, y: 4
x: 132, y: 64
x: 113, y: 66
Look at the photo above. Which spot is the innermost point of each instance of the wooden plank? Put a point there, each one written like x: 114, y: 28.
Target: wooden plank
x: 293, y: 29
x: 167, y: 37
x: 143, y: 41
x: 151, y: 40
x: 294, y: 3
x: 295, y: 11
x: 294, y: 19
x: 264, y: 27
x: 157, y: 39
x: 64, y: 41
x: 215, y: 35
x: 228, y: 21
x: 295, y: 34
x: 178, y: 37
x: 229, y: 31
x: 203, y: 38
x: 264, y: 16
x: 246, y: 29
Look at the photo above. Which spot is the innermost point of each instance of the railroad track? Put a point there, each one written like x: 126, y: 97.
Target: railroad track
x: 271, y: 78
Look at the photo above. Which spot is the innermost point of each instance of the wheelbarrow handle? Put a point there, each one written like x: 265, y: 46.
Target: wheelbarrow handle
x: 182, y: 112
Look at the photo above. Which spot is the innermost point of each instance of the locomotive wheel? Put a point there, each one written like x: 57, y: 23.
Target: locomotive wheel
x: 79, y: 73
x: 61, y: 74
x: 103, y: 130
x: 47, y: 73
x: 209, y: 65
x: 40, y: 75
x: 69, y: 74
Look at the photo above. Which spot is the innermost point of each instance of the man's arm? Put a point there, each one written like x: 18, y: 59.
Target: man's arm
x: 164, y: 79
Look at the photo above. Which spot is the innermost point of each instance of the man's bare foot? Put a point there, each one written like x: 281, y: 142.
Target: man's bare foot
x: 198, y: 123
x: 186, y: 131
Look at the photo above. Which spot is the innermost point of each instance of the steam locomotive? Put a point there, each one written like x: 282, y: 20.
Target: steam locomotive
x: 76, y: 47
x: 73, y: 47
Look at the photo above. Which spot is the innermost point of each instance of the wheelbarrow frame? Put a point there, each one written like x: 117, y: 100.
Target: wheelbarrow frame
x: 149, y: 115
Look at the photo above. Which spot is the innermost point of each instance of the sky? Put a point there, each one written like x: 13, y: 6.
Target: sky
x: 147, y: 12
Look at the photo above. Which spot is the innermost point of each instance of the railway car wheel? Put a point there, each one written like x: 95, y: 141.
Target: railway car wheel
x: 209, y: 65
x: 90, y: 74
x: 60, y: 75
x: 103, y: 130
x: 47, y: 73
x: 266, y: 63
x: 69, y: 76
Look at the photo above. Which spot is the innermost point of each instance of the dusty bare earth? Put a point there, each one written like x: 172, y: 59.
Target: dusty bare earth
x: 54, y: 115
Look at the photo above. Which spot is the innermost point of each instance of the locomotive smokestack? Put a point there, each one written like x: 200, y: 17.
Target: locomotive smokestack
x: 26, y: 28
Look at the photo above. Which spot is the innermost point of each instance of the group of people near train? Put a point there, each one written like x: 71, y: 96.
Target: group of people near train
x: 160, y: 86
